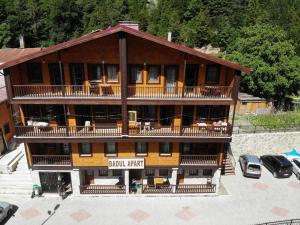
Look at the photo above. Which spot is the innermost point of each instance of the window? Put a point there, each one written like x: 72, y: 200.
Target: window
x: 217, y: 112
x: 207, y: 173
x: 149, y: 172
x: 202, y: 113
x: 153, y: 73
x: 136, y: 74
x: 95, y: 71
x: 112, y: 73
x: 212, y: 74
x: 85, y: 149
x: 186, y: 148
x: 145, y: 113
x: 164, y: 172
x: 165, y: 149
x: 103, y: 172
x: 6, y: 128
x: 77, y: 73
x: 35, y: 73
x: 180, y: 172
x: 141, y: 149
x: 193, y: 172
x: 111, y: 149
x: 104, y: 114
x: 54, y: 73
x: 117, y: 173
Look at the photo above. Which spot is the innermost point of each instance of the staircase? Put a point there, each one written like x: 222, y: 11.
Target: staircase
x: 228, y: 167
x: 18, y: 183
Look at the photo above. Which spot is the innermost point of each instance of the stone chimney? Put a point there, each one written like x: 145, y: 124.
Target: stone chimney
x: 21, y: 40
x: 131, y: 24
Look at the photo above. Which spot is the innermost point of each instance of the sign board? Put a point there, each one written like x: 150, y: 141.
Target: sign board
x: 135, y: 163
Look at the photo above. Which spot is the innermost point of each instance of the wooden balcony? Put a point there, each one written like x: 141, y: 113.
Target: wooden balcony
x: 195, y: 188
x: 114, y: 131
x: 158, y: 189
x: 51, y: 160
x: 102, y: 189
x: 199, y: 160
x: 69, y: 91
x: 190, y: 92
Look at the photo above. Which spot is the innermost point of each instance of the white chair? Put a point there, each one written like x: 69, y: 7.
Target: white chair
x: 87, y: 125
x: 29, y: 122
x: 147, y: 126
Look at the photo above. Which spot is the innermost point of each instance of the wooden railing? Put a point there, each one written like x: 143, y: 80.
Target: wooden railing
x: 46, y: 91
x: 102, y: 189
x: 158, y: 189
x: 67, y: 131
x: 106, y: 131
x: 211, y: 160
x: 51, y: 160
x: 196, y: 188
x: 180, y: 92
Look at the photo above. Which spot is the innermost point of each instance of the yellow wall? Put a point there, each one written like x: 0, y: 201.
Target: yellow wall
x: 125, y: 150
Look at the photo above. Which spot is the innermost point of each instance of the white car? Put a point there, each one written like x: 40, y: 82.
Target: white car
x: 296, y: 167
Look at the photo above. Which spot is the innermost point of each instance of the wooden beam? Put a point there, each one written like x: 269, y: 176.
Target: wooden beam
x: 184, y: 74
x: 9, y: 90
x: 235, y: 94
x: 123, y: 69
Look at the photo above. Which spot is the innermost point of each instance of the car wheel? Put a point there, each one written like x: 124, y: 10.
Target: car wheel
x: 275, y: 174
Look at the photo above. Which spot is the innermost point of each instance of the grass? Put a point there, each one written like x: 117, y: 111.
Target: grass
x: 283, y: 120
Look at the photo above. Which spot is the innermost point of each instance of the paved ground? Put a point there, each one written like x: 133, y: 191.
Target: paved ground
x: 248, y: 201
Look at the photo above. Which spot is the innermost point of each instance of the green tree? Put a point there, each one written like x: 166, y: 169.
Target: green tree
x: 271, y: 55
x: 5, y: 35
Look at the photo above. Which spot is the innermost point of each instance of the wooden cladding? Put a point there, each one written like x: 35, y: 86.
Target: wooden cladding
x: 109, y: 91
x: 98, y: 131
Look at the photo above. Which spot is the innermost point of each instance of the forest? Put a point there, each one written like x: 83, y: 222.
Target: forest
x: 261, y: 34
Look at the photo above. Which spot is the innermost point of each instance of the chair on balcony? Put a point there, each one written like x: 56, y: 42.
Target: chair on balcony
x: 87, y: 126
x: 147, y: 126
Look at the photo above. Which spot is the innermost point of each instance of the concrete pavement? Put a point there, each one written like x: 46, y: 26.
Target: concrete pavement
x: 248, y: 201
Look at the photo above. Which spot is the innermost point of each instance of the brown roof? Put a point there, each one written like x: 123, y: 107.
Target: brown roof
x: 12, y: 54
x: 119, y: 28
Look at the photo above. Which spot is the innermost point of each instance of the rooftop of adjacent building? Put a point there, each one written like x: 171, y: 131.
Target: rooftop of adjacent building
x: 248, y: 97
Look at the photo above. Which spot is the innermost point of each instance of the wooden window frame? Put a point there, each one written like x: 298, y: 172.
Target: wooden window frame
x: 89, y: 65
x: 35, y: 81
x: 166, y: 154
x: 130, y: 66
x: 176, y: 66
x: 71, y: 75
x: 141, y: 154
x: 118, y: 74
x: 80, y: 149
x: 219, y: 75
x: 109, y: 154
x: 157, y: 81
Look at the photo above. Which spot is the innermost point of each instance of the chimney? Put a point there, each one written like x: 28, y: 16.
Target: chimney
x: 21, y: 40
x: 131, y: 24
x: 169, y: 36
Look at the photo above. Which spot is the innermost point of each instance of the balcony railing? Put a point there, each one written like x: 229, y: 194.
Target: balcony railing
x: 158, y: 189
x: 114, y: 91
x: 195, y: 188
x: 180, y: 92
x: 102, y: 189
x: 65, y: 131
x: 199, y: 160
x: 108, y: 131
x: 47, y: 91
x: 48, y: 160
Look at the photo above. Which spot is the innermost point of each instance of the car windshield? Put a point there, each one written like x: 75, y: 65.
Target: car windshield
x: 253, y: 167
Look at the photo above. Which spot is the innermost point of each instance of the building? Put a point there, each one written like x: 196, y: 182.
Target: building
x: 121, y: 111
x: 250, y: 104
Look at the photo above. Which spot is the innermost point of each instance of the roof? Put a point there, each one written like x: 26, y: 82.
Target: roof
x: 126, y: 29
x: 11, y: 54
x: 252, y: 158
x: 249, y: 98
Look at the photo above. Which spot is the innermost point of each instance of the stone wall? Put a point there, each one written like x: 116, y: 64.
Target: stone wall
x: 265, y: 143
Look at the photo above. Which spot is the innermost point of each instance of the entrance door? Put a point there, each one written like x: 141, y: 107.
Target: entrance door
x: 89, y: 176
x: 191, y: 74
x: 54, y: 73
x: 171, y: 73
x: 77, y: 73
x: 167, y: 115
x: 187, y: 115
x: 48, y: 182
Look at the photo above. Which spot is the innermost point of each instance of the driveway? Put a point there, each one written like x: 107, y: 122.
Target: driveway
x: 248, y: 201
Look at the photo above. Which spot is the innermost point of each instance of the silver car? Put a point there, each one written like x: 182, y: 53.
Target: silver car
x: 250, y: 165
x: 6, y: 209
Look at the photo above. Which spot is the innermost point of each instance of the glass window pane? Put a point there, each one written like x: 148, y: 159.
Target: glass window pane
x: 150, y: 172
x: 136, y: 73
x: 103, y: 172
x: 85, y: 148
x: 153, y: 73
x: 164, y: 172
x: 117, y: 173
x: 212, y: 74
x: 141, y: 148
x: 111, y: 148
x: 95, y: 71
x: 193, y: 172
x: 35, y: 73
x: 165, y: 148
x: 77, y: 73
x: 112, y: 73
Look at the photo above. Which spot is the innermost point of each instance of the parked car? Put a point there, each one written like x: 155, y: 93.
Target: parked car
x: 296, y: 167
x: 250, y: 166
x: 6, y: 209
x: 278, y: 165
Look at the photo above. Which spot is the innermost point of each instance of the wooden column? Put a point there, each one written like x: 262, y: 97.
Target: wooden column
x: 123, y: 69
x: 235, y: 92
x: 183, y: 78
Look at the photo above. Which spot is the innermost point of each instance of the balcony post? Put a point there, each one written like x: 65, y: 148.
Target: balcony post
x: 184, y: 74
x: 235, y: 93
x: 61, y: 74
x: 123, y: 69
